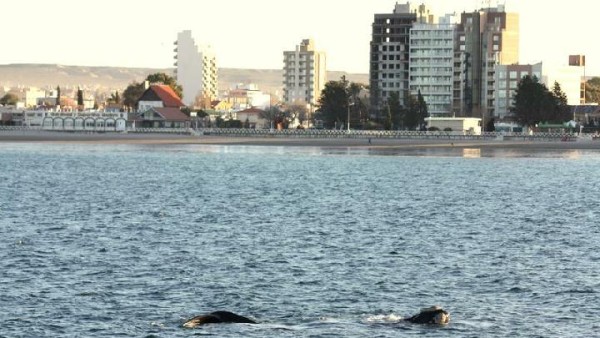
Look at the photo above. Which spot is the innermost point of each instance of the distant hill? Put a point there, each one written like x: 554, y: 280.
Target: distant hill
x: 115, y: 78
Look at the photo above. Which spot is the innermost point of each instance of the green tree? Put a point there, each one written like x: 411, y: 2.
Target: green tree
x: 395, y: 112
x: 114, y: 98
x: 79, y: 97
x: 592, y: 90
x: 534, y: 103
x: 275, y: 116
x: 357, y: 105
x: 410, y: 116
x: 333, y: 103
x: 415, y: 111
x: 490, y: 125
x: 297, y: 111
x: 58, y: 95
x: 166, y: 80
x: 562, y: 112
x: 9, y: 99
x: 132, y: 94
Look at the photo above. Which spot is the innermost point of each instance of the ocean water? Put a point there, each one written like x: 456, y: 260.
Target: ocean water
x: 131, y: 240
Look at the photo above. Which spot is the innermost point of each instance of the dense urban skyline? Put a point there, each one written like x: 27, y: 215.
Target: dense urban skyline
x: 254, y: 34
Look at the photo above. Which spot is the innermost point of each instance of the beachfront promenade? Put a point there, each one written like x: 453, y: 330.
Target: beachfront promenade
x: 309, y: 137
x: 302, y: 133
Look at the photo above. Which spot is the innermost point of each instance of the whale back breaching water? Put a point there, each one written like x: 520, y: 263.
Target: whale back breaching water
x: 217, y: 317
x: 430, y: 315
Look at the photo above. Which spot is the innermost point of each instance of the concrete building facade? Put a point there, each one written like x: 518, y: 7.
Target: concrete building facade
x: 389, y: 56
x: 570, y: 78
x: 304, y: 74
x: 485, y: 39
x: 431, y: 61
x: 196, y: 69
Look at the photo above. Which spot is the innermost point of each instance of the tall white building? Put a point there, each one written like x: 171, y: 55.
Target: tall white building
x: 431, y: 61
x: 304, y: 74
x: 196, y: 69
x: 570, y: 79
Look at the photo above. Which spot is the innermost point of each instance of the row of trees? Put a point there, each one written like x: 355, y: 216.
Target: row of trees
x: 535, y: 103
x: 340, y: 102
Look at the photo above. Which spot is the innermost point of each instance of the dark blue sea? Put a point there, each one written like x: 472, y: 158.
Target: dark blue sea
x: 131, y: 240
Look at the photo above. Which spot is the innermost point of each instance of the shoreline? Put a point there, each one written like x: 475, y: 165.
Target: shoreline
x: 29, y: 136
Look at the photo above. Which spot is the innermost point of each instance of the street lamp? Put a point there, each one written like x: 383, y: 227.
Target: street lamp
x: 349, y: 104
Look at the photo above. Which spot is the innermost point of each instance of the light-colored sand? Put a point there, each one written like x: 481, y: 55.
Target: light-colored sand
x: 118, y: 138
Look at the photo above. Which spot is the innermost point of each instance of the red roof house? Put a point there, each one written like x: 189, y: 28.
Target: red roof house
x: 159, y: 96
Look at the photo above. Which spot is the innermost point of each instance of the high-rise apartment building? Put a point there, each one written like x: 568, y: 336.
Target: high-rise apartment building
x: 196, y: 69
x: 389, y: 55
x: 304, y: 74
x: 485, y: 38
x: 431, y: 64
x: 451, y: 62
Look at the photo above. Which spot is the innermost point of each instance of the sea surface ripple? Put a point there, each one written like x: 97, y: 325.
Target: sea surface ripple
x: 130, y: 240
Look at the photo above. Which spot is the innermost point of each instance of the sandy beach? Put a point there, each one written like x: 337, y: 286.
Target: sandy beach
x: 333, y: 142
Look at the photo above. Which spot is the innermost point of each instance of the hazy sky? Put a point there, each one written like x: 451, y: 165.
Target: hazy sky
x: 254, y: 33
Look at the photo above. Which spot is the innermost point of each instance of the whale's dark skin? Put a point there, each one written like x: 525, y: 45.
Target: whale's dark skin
x: 217, y: 317
x: 432, y: 315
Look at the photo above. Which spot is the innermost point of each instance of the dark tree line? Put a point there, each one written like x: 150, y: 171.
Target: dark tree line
x: 340, y: 101
x: 535, y: 103
x: 409, y: 116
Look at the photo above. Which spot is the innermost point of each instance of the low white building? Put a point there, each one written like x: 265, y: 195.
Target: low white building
x: 253, y: 117
x: 76, y: 121
x: 467, y: 125
x: 32, y: 95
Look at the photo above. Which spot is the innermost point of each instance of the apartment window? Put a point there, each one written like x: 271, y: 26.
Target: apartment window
x: 501, y: 75
x: 496, y: 48
x: 513, y: 74
x: 524, y: 73
x: 513, y: 84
